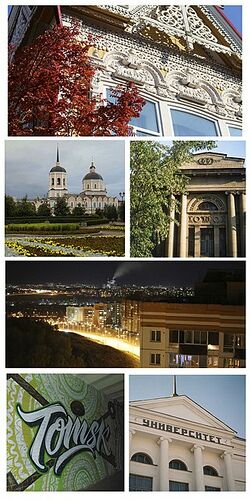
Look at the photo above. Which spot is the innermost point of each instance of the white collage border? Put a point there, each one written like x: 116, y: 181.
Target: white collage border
x: 3, y: 132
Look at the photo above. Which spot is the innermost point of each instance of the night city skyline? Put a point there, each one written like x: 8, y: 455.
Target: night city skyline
x: 129, y: 272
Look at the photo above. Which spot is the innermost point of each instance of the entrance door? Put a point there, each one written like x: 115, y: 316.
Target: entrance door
x: 207, y: 242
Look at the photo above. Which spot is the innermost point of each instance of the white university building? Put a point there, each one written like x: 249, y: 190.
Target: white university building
x: 176, y: 445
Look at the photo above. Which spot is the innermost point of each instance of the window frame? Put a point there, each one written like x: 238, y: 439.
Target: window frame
x: 179, y: 462
x: 154, y: 355
x: 154, y: 334
x: 134, y: 476
x: 198, y: 115
x: 230, y: 125
x: 171, y: 482
x: 147, y: 132
x: 211, y: 469
x: 145, y: 456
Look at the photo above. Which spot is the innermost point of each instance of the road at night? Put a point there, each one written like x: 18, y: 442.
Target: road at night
x: 114, y: 342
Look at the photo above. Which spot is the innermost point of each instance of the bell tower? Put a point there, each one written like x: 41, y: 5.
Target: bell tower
x: 57, y: 179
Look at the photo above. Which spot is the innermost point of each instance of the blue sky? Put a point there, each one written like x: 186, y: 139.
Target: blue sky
x: 236, y: 149
x: 221, y: 395
x: 234, y: 14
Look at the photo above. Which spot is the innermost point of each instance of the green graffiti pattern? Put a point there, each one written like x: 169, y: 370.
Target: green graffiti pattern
x: 82, y: 470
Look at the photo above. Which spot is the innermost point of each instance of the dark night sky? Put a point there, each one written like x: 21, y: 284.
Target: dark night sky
x: 97, y: 272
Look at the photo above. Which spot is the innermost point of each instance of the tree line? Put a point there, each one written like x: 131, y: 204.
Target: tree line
x: 25, y: 208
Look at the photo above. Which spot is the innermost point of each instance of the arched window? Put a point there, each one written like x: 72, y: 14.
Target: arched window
x: 52, y: 181
x: 58, y: 181
x: 207, y: 205
x: 143, y: 458
x: 177, y: 464
x: 209, y: 471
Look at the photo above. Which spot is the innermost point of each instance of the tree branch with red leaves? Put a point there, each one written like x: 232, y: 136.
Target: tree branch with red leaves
x: 50, y: 86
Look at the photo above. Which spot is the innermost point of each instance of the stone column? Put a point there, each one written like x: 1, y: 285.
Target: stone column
x: 227, y: 456
x: 183, y: 226
x: 198, y: 467
x: 197, y: 241
x: 164, y: 463
x: 131, y: 434
x: 170, y: 241
x: 243, y: 223
x: 232, y: 229
x: 216, y: 241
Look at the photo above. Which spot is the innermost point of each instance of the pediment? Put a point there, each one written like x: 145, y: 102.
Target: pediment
x: 193, y: 29
x: 181, y: 408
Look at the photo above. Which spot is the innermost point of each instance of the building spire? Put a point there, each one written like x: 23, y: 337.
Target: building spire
x: 174, y: 386
x: 57, y: 154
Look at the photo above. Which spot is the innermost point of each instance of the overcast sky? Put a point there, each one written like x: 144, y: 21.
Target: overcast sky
x: 28, y: 163
x: 221, y: 395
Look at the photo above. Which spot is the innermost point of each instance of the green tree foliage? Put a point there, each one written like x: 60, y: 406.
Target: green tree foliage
x: 121, y: 212
x: 110, y: 212
x: 78, y: 211
x: 155, y: 175
x: 61, y: 207
x: 99, y: 212
x: 10, y: 207
x: 25, y: 208
x: 44, y: 210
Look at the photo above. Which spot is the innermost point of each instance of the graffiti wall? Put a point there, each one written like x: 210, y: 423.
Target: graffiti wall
x: 63, y: 433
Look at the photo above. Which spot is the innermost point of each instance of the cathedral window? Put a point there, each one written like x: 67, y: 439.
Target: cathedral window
x: 52, y: 181
x: 189, y: 124
x: 58, y: 181
x: 95, y: 186
x: 64, y: 182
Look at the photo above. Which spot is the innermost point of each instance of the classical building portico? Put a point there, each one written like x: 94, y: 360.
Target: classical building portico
x: 208, y: 220
x: 176, y: 445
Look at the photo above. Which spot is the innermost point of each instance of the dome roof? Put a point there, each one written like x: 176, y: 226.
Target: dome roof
x: 57, y: 168
x: 92, y: 174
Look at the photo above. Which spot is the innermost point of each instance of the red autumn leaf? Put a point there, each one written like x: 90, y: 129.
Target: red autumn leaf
x: 50, y: 91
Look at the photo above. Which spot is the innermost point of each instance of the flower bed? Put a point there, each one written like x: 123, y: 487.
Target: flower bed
x: 67, y: 247
x: 109, y: 245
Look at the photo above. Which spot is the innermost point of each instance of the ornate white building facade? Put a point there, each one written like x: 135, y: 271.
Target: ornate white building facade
x: 176, y: 445
x: 92, y: 197
x: 185, y: 60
